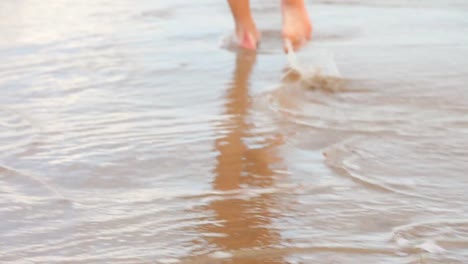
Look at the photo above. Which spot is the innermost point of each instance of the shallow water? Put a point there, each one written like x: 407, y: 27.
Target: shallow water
x: 127, y: 135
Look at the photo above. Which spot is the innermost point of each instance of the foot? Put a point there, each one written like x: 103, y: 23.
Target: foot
x: 247, y: 34
x: 296, y: 23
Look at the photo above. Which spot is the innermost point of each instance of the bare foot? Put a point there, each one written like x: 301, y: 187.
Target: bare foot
x: 247, y: 34
x: 296, y: 23
x: 246, y: 31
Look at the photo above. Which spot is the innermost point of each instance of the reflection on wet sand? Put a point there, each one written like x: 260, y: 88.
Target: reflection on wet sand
x: 244, y: 223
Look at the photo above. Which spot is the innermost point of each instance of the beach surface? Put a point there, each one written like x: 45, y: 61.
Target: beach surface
x: 128, y: 134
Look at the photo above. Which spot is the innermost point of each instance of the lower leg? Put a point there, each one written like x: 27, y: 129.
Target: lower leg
x: 246, y: 31
x: 297, y: 27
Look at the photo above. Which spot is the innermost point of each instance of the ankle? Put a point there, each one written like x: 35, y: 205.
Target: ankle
x: 247, y: 25
x: 245, y: 22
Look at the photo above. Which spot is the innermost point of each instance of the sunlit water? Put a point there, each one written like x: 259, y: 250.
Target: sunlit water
x: 127, y: 135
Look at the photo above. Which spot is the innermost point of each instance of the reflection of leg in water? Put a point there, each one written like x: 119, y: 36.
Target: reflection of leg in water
x: 243, y: 223
x: 231, y: 147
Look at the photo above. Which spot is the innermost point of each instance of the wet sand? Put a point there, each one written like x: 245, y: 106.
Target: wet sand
x: 128, y: 135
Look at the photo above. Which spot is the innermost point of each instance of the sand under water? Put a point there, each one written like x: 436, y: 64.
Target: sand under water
x: 127, y: 135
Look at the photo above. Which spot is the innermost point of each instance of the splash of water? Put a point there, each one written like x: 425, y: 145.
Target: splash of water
x: 320, y: 72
